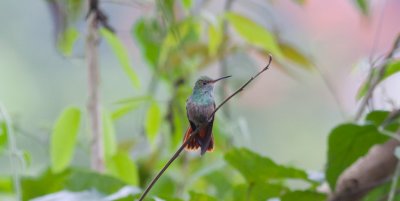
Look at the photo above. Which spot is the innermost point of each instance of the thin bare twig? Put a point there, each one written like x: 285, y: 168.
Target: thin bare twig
x: 241, y: 88
x: 373, y: 80
x: 93, y: 107
x: 194, y: 133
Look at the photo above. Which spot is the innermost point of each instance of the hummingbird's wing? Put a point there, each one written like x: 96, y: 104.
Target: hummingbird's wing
x: 204, y: 139
x: 207, y: 138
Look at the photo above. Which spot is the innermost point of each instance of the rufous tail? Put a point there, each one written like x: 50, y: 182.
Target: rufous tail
x: 201, y: 140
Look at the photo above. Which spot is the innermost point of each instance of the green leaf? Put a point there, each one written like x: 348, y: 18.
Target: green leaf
x: 109, y: 137
x: 185, y: 32
x: 187, y: 4
x: 48, y: 182
x: 383, y: 118
x: 303, y: 196
x: 122, y: 55
x: 3, y: 136
x: 80, y: 180
x: 63, y: 138
x: 295, y: 56
x: 67, y: 40
x: 215, y: 37
x: 391, y: 68
x: 166, y: 187
x: 122, y: 167
x: 379, y: 193
x: 6, y: 185
x: 254, y: 33
x: 148, y: 35
x: 363, y: 6
x: 346, y: 144
x: 153, y: 122
x: 123, y: 110
x: 71, y: 179
x: 259, y: 168
x: 178, y: 126
x: 128, y: 105
x: 376, y: 117
x: 200, y: 197
x: 257, y: 191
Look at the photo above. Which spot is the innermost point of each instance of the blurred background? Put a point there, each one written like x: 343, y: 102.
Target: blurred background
x: 285, y: 114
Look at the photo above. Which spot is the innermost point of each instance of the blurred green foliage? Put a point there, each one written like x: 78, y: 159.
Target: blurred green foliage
x: 175, y: 49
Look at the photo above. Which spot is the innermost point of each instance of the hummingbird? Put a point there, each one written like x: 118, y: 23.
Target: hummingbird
x: 199, y: 106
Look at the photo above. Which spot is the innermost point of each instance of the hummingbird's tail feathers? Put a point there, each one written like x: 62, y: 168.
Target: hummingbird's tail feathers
x: 202, y: 141
x: 193, y: 144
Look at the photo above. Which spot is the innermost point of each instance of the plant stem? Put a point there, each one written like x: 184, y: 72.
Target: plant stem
x: 394, y: 182
x: 92, y: 39
x: 373, y: 80
x: 14, y: 154
x: 194, y: 133
x: 223, y: 61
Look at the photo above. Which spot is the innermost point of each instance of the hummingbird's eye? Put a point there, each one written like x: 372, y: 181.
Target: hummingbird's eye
x: 204, y: 83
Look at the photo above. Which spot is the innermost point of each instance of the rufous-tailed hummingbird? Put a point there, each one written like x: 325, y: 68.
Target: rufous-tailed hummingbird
x: 199, y: 106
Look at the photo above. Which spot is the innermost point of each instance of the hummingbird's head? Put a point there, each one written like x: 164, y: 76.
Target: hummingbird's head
x: 205, y: 83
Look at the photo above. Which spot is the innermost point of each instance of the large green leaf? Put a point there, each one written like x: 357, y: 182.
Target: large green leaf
x: 109, y: 137
x: 254, y: 33
x: 47, y: 182
x: 148, y: 35
x: 122, y: 55
x: 258, y: 168
x: 296, y: 56
x: 215, y: 37
x: 122, y: 167
x: 63, y: 138
x: 201, y: 197
x: 153, y: 121
x: 67, y: 40
x: 303, y: 196
x: 80, y: 180
x: 257, y: 191
x: 76, y: 180
x: 346, y: 144
x: 391, y: 68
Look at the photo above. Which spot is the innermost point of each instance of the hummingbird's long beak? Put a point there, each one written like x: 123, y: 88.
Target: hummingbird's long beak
x: 216, y: 80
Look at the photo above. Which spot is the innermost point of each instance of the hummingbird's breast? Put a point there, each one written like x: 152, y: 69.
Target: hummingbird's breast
x: 199, y: 109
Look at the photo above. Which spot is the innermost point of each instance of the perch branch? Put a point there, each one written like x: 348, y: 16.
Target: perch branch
x: 176, y: 154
